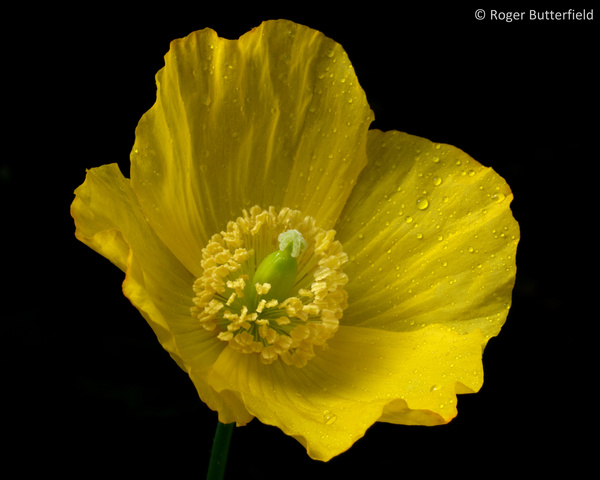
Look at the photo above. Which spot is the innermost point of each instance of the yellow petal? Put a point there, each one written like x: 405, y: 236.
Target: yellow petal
x: 364, y: 376
x: 276, y: 118
x: 109, y: 220
x: 431, y: 239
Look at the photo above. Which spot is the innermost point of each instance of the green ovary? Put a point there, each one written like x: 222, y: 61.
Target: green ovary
x: 278, y: 269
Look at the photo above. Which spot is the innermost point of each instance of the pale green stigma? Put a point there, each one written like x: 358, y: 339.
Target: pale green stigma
x: 293, y: 237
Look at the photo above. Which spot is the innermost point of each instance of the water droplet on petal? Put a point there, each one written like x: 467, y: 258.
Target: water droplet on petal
x: 329, y: 418
x: 422, y: 203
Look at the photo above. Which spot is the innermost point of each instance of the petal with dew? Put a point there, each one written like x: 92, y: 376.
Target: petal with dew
x: 364, y: 376
x: 276, y: 118
x: 431, y: 239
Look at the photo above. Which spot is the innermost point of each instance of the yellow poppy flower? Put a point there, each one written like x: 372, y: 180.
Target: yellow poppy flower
x: 386, y: 262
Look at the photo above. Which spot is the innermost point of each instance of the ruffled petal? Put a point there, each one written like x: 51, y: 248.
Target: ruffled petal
x: 276, y: 118
x: 431, y: 239
x: 364, y: 376
x: 109, y: 220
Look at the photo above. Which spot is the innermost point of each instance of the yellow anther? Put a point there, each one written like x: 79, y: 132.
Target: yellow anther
x: 238, y: 285
x: 261, y: 305
x: 262, y: 289
x: 283, y: 321
x: 231, y: 299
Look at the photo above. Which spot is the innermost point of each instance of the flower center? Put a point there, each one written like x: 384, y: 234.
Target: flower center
x: 272, y: 285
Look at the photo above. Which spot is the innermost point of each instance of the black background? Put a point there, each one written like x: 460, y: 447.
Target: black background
x: 89, y: 388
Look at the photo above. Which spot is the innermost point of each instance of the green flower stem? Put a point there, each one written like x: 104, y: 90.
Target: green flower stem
x: 220, y: 449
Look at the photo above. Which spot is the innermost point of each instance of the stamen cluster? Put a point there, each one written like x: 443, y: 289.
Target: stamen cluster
x: 229, y: 304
